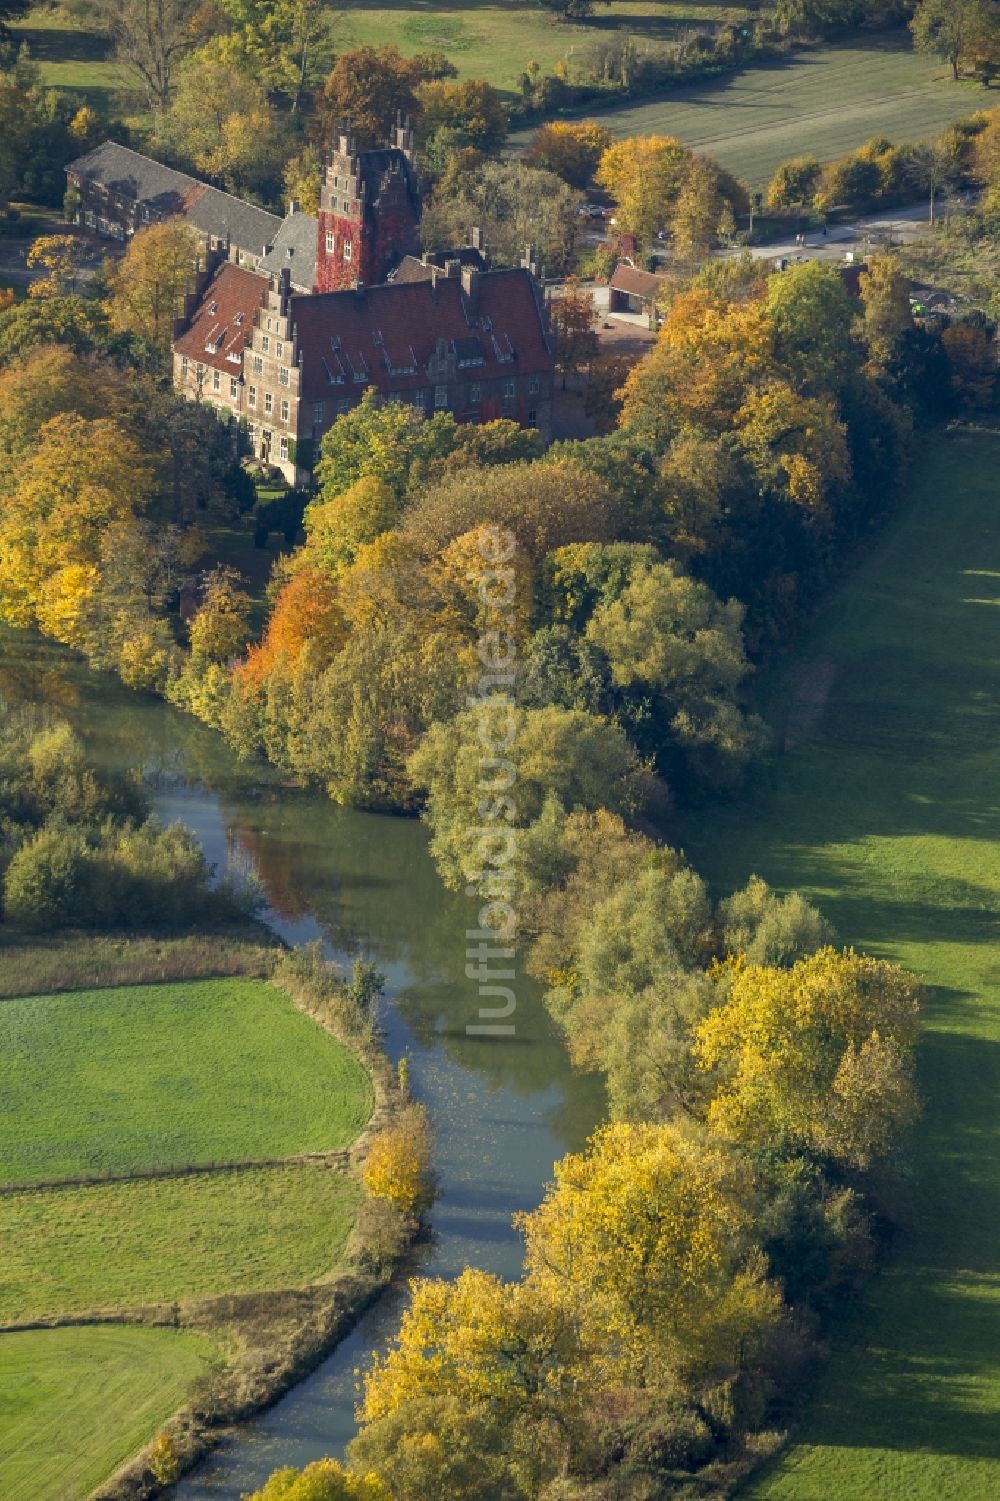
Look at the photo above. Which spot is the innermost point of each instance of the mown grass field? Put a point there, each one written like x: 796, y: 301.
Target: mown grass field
x: 114, y: 1385
x: 99, y: 1081
x: 888, y: 815
x: 170, y: 1239
x: 69, y: 55
x: 824, y: 102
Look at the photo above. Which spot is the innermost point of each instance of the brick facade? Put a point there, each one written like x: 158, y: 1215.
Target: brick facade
x: 369, y: 215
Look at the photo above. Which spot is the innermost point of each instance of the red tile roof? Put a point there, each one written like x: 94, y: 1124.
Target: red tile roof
x: 223, y: 320
x: 385, y: 335
x: 635, y: 282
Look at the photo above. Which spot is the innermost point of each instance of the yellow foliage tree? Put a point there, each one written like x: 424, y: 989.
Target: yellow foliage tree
x: 644, y: 174
x: 147, y: 286
x: 323, y: 1480
x: 59, y: 257
x: 796, y: 444
x: 815, y: 1058
x: 397, y: 1167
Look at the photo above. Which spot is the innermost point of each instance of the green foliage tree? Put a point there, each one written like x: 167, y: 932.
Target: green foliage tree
x: 380, y: 440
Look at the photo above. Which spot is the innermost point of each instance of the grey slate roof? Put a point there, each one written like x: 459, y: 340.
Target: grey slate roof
x: 294, y: 248
x: 164, y: 190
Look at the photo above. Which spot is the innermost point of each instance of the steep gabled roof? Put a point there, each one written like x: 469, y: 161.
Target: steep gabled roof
x: 294, y: 250
x: 223, y: 319
x: 387, y: 335
x: 140, y: 179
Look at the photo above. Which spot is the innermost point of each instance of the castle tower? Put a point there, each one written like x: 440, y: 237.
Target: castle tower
x: 369, y: 212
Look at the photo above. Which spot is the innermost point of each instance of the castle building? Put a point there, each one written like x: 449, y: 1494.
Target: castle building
x: 285, y: 366
x: 369, y: 213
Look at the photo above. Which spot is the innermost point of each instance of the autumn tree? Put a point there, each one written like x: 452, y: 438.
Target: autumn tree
x: 323, y: 1480
x: 397, y: 1166
x: 581, y: 760
x: 221, y: 119
x: 811, y: 314
x: 954, y: 30
x: 514, y: 205
x: 569, y: 148
x: 286, y: 43
x: 338, y: 526
x: 887, y: 317
x: 572, y: 318
x: 370, y: 87
x: 381, y: 440
x: 817, y: 1058
x: 59, y: 256
x: 697, y: 211
x: 606, y: 376
x: 794, y: 183
x: 151, y: 37
x: 148, y: 285
x: 455, y: 115
x: 221, y: 626
x: 644, y: 175
x: 797, y: 446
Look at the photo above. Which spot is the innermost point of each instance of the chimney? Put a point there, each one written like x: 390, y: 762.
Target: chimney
x: 470, y: 285
x: 477, y: 238
x: 294, y: 207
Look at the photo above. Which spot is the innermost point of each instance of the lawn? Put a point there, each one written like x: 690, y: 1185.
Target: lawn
x: 888, y: 815
x: 115, y: 1385
x: 96, y: 1081
x: 497, y: 42
x: 71, y: 56
x: 165, y: 1240
x: 824, y: 102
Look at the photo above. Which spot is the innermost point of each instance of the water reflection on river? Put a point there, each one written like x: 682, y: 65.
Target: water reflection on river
x: 503, y: 1108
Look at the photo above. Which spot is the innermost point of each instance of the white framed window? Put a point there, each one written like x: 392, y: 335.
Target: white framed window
x: 199, y: 371
x: 251, y: 397
x: 440, y: 396
x: 284, y: 411
x: 348, y: 250
x: 258, y: 365
x: 279, y: 350
x: 420, y: 398
x: 331, y: 243
x: 532, y: 418
x: 184, y: 367
x: 319, y: 411
x: 265, y: 344
x: 534, y: 386
x: 475, y: 394
x: 252, y: 433
x: 283, y: 446
x: 268, y: 403
x: 283, y: 376
x: 216, y: 381
x: 234, y: 388
x: 509, y: 390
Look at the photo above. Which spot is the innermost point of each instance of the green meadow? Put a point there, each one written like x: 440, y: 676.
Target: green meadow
x: 114, y: 1385
x: 885, y: 809
x: 140, y: 1076
x: 824, y: 101
x: 165, y: 1240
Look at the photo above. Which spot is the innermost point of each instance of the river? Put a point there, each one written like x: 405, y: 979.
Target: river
x: 503, y: 1108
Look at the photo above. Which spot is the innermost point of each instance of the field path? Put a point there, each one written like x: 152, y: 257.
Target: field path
x: 888, y: 814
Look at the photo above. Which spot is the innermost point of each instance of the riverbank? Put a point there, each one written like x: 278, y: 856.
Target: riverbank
x: 884, y: 812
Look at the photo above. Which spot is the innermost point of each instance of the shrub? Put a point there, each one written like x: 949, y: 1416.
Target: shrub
x: 398, y: 1163
x: 46, y: 880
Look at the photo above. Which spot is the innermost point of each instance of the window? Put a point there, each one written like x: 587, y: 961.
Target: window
x: 279, y: 350
x: 348, y: 250
x: 532, y: 418
x: 252, y: 397
x: 283, y: 446
x: 252, y: 433
x: 265, y: 343
x: 318, y: 414
x: 440, y: 396
x: 234, y: 389
x: 268, y: 403
x: 284, y: 411
x: 420, y: 398
x: 216, y: 381
x: 199, y: 371
x: 184, y: 368
x: 534, y: 386
x: 509, y: 390
x: 330, y: 242
x: 258, y: 365
x: 283, y: 376
x: 343, y: 407
x: 475, y: 394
